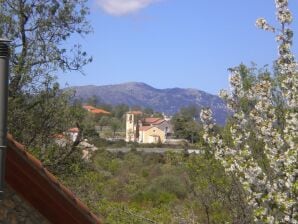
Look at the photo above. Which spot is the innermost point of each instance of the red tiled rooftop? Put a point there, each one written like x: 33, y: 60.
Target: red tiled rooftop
x: 158, y: 122
x: 153, y: 120
x: 145, y: 128
x: 74, y: 130
x: 87, y: 107
x: 95, y: 110
x: 58, y: 136
x: 33, y: 182
x: 99, y: 111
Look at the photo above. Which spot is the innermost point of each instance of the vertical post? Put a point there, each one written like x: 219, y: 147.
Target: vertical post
x: 4, y: 67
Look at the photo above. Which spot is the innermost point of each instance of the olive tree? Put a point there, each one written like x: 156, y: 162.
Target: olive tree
x: 41, y: 32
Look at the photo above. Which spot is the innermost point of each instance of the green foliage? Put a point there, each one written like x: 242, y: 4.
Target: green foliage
x: 186, y: 124
x: 120, y: 110
x: 154, y: 188
x: 39, y: 30
x: 103, y: 121
x: 115, y: 124
x: 45, y: 114
x: 216, y: 191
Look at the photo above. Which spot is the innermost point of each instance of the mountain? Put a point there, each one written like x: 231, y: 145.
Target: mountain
x: 168, y: 101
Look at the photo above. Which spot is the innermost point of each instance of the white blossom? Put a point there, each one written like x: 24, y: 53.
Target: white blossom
x: 261, y: 23
x: 273, y: 199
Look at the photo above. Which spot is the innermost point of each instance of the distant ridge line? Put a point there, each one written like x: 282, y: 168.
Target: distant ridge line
x: 168, y: 100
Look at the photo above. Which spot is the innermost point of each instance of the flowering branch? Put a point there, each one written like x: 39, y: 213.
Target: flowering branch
x: 272, y: 195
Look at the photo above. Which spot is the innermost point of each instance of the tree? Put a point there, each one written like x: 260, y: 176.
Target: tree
x: 41, y: 117
x: 93, y: 101
x: 39, y: 31
x: 120, y: 110
x: 219, y: 194
x: 103, y: 121
x: 148, y: 111
x: 115, y: 125
x: 185, y: 124
x: 271, y: 192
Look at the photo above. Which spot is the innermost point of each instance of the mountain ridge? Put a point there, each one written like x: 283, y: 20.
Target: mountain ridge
x: 168, y: 100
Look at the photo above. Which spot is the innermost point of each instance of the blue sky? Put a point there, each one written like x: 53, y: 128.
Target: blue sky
x: 176, y: 43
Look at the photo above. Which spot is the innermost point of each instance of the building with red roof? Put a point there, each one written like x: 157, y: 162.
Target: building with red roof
x: 95, y: 110
x: 148, y: 129
x: 152, y: 120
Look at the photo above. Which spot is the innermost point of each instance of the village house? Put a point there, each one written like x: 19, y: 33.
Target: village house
x: 67, y: 137
x: 73, y: 133
x: 148, y: 129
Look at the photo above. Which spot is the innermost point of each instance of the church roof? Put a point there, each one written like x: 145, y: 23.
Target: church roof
x: 153, y: 120
x: 145, y: 128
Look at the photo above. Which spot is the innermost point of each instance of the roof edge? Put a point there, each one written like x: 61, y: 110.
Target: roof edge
x: 20, y: 159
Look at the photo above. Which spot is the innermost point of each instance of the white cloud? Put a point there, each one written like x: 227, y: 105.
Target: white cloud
x: 123, y: 7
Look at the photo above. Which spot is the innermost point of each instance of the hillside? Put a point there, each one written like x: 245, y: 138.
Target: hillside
x: 168, y: 101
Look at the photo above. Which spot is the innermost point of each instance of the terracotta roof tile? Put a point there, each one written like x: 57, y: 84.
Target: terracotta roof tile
x: 158, y: 122
x: 152, y: 120
x: 145, y: 128
x: 58, y: 136
x: 95, y: 110
x: 99, y: 111
x: 87, y: 107
x: 74, y: 130
x: 32, y: 181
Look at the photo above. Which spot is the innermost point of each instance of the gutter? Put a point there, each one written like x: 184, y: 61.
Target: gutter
x: 4, y: 70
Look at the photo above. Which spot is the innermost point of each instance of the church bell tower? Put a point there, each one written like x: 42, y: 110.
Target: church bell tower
x: 130, y: 127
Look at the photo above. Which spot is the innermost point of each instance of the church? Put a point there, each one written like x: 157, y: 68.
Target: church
x: 147, y: 129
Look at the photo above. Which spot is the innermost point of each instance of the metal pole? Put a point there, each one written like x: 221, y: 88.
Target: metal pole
x: 4, y: 67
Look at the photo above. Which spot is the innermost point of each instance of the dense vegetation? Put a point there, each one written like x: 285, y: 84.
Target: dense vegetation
x: 157, y: 188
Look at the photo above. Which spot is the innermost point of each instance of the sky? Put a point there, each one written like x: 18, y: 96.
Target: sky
x: 176, y: 43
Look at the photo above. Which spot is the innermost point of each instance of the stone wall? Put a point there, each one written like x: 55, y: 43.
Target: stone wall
x: 14, y: 210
